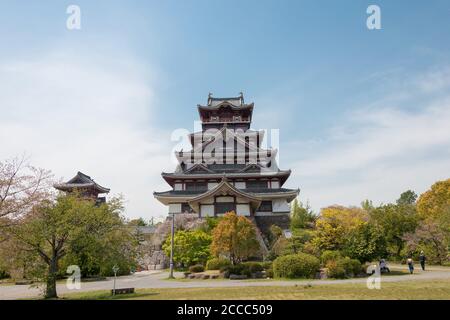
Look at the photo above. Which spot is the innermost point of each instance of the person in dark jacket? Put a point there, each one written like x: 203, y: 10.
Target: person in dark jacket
x: 422, y: 259
x: 410, y: 263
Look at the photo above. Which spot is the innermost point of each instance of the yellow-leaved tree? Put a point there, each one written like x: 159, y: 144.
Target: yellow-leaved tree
x: 434, y: 204
x: 234, y: 237
x: 335, y: 223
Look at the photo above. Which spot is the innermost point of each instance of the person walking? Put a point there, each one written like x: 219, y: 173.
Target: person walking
x: 410, y: 263
x: 422, y: 259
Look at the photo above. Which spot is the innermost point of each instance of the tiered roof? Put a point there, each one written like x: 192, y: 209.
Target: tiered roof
x: 226, y: 116
x: 81, y: 182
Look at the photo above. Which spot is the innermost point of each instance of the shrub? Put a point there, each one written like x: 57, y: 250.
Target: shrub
x: 245, y: 268
x: 196, y: 268
x: 3, y: 274
x: 268, y: 267
x: 329, y: 255
x: 217, y: 264
x: 252, y: 267
x: 335, y: 269
x: 267, y: 264
x: 352, y: 266
x: 342, y: 268
x: 300, y: 265
x: 237, y: 269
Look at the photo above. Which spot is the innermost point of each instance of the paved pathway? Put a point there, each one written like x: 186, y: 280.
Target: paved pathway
x: 158, y: 280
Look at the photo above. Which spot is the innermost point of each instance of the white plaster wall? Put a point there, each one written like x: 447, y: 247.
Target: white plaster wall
x: 178, y: 186
x: 280, y: 205
x: 212, y: 185
x: 239, y: 185
x: 275, y: 184
x: 175, y: 208
x: 243, y: 209
x: 224, y: 199
x: 207, y: 210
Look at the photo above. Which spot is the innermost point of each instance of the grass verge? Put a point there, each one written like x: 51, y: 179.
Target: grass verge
x: 436, y: 289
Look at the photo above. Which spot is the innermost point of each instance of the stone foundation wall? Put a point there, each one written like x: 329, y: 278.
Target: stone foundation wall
x: 265, y: 222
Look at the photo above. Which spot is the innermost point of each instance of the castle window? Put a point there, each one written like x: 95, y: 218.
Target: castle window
x: 257, y: 184
x: 196, y: 186
x: 266, y: 206
x: 224, y: 207
x: 186, y: 208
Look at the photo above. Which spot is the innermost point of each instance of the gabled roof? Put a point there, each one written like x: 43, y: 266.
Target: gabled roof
x: 224, y: 188
x: 81, y: 181
x: 254, y: 196
x: 198, y: 168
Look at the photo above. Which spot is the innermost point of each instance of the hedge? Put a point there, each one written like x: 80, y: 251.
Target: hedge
x: 245, y: 268
x: 217, y: 264
x: 300, y: 265
x: 196, y: 268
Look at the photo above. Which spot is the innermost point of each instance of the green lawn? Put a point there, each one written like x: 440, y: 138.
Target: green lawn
x: 438, y: 289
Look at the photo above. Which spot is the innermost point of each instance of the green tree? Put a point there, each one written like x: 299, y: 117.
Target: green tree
x: 97, y: 255
x: 302, y: 216
x: 365, y: 243
x: 408, y: 197
x: 190, y: 247
x: 367, y: 205
x: 53, y: 227
x: 394, y: 222
x: 234, y: 237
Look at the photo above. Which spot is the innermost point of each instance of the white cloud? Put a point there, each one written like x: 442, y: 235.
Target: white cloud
x: 381, y: 151
x: 70, y: 113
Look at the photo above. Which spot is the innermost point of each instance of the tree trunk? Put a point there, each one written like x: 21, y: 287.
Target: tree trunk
x: 50, y: 291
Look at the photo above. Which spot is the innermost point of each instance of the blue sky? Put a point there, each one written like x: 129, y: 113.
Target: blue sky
x: 361, y: 113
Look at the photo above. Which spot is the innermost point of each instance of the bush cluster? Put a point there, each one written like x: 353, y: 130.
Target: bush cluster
x: 268, y: 268
x: 300, y: 265
x: 3, y: 274
x: 245, y: 268
x: 217, y: 264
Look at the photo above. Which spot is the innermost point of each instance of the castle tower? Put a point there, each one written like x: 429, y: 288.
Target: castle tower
x: 228, y: 170
x: 85, y: 186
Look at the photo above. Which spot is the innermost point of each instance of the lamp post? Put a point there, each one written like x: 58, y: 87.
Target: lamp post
x: 171, y: 246
x: 115, y: 268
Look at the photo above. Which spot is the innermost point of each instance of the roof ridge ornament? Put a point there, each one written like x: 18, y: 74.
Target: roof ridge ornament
x: 241, y: 97
x: 209, y: 98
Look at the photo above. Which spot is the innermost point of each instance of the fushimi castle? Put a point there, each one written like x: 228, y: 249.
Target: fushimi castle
x: 227, y: 169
